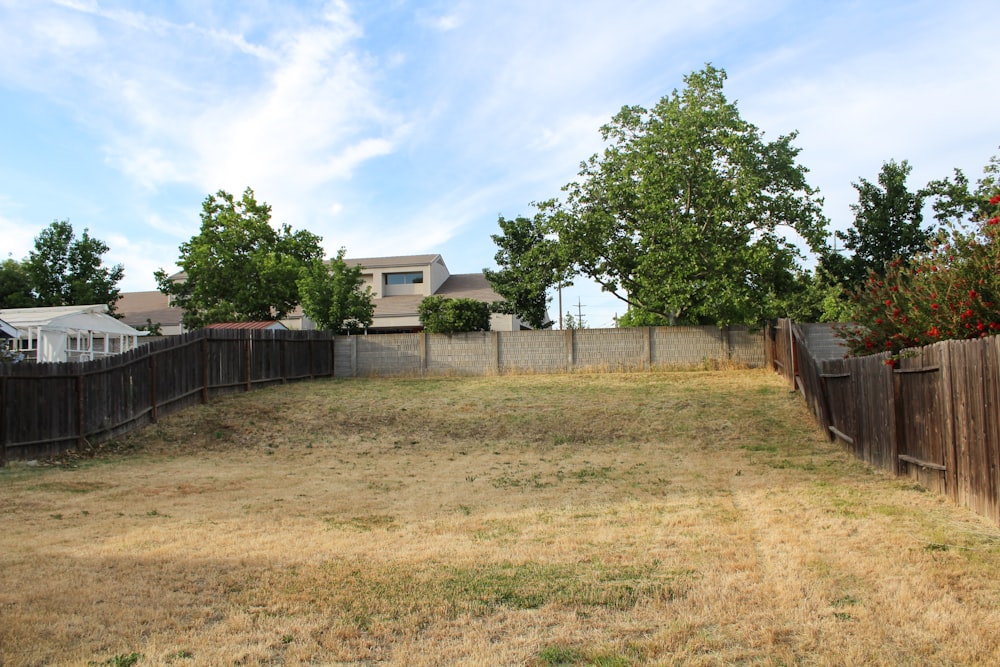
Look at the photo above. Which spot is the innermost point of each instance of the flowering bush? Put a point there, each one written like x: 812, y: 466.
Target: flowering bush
x: 952, y: 291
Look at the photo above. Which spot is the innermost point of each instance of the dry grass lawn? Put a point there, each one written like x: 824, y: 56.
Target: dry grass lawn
x: 692, y: 518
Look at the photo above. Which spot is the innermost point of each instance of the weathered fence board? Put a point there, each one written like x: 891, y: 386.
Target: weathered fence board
x: 934, y: 417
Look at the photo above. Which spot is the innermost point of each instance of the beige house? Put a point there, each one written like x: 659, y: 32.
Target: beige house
x: 398, y: 284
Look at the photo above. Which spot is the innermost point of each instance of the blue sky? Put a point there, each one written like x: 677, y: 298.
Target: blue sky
x: 401, y: 127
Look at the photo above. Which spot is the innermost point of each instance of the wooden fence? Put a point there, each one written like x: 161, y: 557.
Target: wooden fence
x: 934, y: 417
x: 46, y: 409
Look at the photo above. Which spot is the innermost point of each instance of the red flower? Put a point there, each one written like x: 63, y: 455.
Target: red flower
x: 995, y: 200
x: 933, y: 333
x: 994, y: 220
x: 934, y: 306
x: 972, y: 294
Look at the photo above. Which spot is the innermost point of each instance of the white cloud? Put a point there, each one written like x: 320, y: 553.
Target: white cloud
x: 18, y: 239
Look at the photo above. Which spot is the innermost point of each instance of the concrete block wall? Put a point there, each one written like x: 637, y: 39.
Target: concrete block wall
x: 492, y: 352
x: 472, y: 353
x: 682, y: 346
x: 611, y: 349
x: 748, y: 347
x: 533, y: 351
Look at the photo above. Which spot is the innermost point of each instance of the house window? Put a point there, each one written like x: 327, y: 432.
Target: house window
x: 411, y: 278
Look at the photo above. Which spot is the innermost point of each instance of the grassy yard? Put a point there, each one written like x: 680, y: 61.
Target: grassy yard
x: 692, y: 518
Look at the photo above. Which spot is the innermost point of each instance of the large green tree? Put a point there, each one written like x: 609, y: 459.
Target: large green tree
x: 239, y: 267
x: 15, y: 285
x: 684, y: 215
x: 888, y: 225
x: 335, y: 296
x: 529, y: 264
x: 66, y: 271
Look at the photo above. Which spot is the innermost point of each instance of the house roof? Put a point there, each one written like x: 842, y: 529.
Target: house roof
x: 391, y: 262
x: 137, y: 307
x: 7, y: 330
x: 267, y: 324
x: 468, y: 286
x: 68, y: 318
x: 459, y: 286
x: 369, y: 263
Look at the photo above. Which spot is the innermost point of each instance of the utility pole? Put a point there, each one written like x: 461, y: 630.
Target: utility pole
x: 579, y: 313
x: 560, y: 306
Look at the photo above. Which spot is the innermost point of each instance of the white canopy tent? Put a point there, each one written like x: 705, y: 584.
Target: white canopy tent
x: 69, y: 333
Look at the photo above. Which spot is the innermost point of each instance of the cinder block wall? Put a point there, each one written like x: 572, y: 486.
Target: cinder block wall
x: 493, y: 352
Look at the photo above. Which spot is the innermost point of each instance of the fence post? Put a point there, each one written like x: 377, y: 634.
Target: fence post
x: 496, y: 351
x: 354, y: 355
x: 248, y: 357
x: 3, y: 420
x: 791, y: 356
x: 333, y: 355
x: 422, y: 341
x: 947, y: 402
x: 647, y: 344
x: 312, y: 371
x: 898, y: 420
x: 79, y: 410
x: 281, y: 359
x: 569, y: 350
x: 204, y: 367
x: 152, y: 386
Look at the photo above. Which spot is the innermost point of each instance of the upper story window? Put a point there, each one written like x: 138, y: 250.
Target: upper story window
x: 410, y: 278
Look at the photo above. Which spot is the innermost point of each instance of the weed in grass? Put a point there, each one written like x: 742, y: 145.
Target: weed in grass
x: 593, y: 474
x: 122, y: 660
x: 560, y: 656
x: 363, y: 524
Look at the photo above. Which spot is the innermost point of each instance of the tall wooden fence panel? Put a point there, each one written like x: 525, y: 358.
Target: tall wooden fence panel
x: 47, y: 409
x: 933, y: 415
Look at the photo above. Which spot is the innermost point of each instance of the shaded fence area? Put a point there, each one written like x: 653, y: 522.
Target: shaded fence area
x: 933, y: 417
x: 47, y: 409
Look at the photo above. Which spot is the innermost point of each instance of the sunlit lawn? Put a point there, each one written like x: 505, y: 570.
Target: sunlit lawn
x: 688, y: 517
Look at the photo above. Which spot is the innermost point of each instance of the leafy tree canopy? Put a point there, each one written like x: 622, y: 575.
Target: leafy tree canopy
x: 335, y: 296
x: 529, y: 264
x: 682, y: 215
x: 238, y: 267
x: 888, y: 225
x: 65, y: 271
x: 15, y: 285
x: 440, y: 314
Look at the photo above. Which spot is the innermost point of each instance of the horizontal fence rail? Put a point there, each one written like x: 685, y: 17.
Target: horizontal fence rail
x: 933, y: 415
x: 48, y: 409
